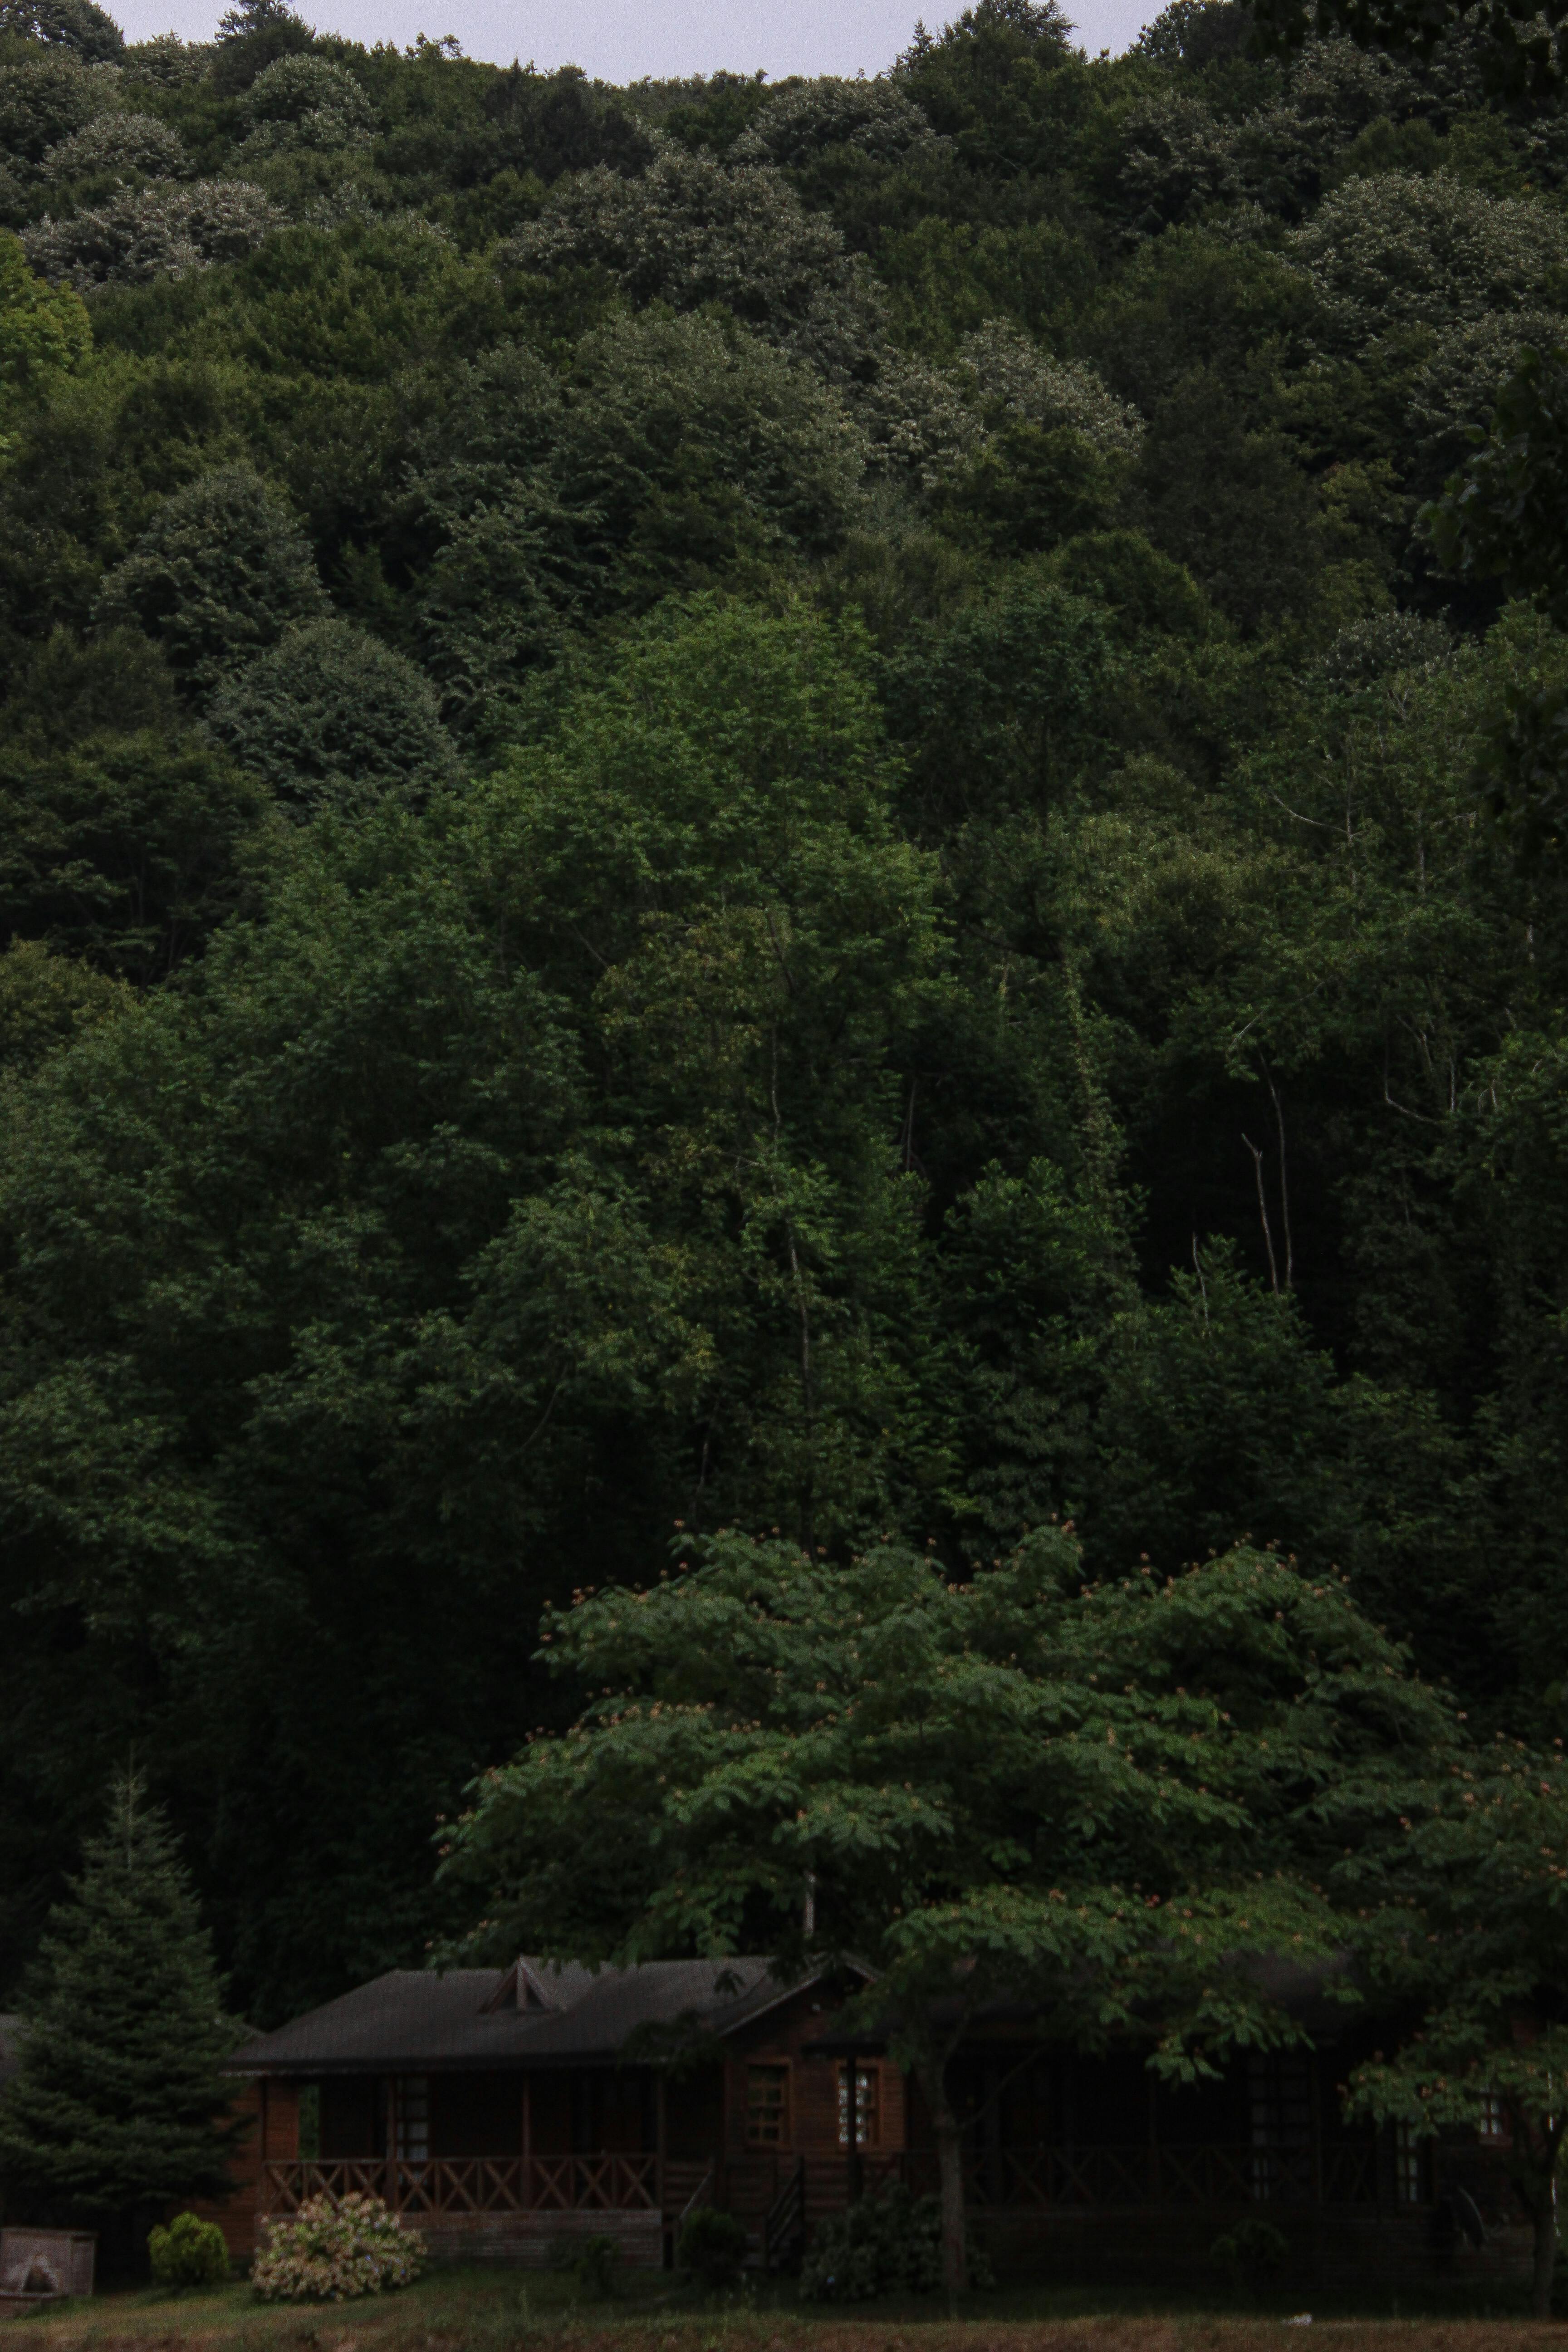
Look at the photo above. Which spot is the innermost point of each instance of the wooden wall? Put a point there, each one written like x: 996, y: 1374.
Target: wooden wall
x: 781, y: 2038
x: 270, y: 2113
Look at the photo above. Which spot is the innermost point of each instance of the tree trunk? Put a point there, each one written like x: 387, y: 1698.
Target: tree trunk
x: 950, y: 2174
x: 1545, y: 2248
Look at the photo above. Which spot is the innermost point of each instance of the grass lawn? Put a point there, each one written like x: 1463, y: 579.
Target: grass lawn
x: 506, y: 2311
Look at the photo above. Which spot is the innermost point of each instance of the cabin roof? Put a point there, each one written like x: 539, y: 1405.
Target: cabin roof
x: 532, y: 2014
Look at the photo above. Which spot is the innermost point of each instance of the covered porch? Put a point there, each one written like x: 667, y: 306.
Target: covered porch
x: 499, y: 2209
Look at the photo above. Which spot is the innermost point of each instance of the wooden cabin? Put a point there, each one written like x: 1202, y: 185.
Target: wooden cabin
x: 503, y: 2111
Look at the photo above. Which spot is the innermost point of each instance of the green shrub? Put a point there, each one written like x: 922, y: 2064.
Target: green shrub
x: 713, y: 2244
x: 886, y: 2244
x: 1251, y: 2255
x: 336, y: 2249
x: 189, y: 2253
x: 594, y: 2262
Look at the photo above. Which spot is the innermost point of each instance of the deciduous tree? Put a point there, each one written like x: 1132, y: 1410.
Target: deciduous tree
x: 1105, y: 1802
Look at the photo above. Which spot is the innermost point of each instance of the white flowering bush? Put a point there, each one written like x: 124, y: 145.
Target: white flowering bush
x: 167, y: 230
x: 693, y: 229
x: 306, y: 101
x: 1401, y: 250
x: 875, y: 118
x: 335, y: 2250
x: 118, y: 143
x: 1005, y: 371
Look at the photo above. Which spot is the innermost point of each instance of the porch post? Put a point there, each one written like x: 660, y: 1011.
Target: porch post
x: 856, y: 2183
x: 526, y: 2199
x: 661, y: 2134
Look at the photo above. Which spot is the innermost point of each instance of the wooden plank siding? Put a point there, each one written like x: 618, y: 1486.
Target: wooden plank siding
x: 814, y: 2123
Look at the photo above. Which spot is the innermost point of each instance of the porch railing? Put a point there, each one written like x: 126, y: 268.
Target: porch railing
x: 1042, y: 2177
x: 1200, y: 2174
x: 472, y: 2184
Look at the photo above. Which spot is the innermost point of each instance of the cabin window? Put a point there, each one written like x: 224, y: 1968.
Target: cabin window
x: 867, y: 2086
x: 767, y: 2106
x: 354, y: 2117
x: 1407, y: 2165
x: 413, y: 2115
x: 1491, y: 2124
x: 1280, y: 2104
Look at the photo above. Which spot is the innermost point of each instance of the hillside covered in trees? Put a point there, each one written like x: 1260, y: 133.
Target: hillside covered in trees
x: 753, y: 805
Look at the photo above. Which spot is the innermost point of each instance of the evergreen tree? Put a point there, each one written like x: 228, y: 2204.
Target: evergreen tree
x: 118, y: 2100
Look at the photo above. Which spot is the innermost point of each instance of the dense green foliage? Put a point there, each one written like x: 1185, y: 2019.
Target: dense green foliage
x: 887, y: 2243
x: 751, y: 806
x: 713, y: 2245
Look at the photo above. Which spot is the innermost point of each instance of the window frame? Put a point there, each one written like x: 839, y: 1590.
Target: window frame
x: 869, y: 2072
x: 411, y: 2119
x: 782, y: 2071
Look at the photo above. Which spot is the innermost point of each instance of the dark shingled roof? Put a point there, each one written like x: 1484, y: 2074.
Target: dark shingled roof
x: 415, y: 2021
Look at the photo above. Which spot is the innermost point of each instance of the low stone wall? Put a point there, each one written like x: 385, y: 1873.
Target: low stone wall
x: 525, y: 2240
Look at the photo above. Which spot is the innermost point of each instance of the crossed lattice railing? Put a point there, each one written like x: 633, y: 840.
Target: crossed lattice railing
x: 1198, y: 2174
x: 472, y: 2184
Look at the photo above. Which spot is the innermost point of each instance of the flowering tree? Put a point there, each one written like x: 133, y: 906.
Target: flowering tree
x: 118, y: 143
x: 306, y: 101
x: 1109, y: 1802
x: 161, y: 231
x: 875, y: 118
x: 1008, y: 376
x: 691, y: 230
x: 1399, y: 249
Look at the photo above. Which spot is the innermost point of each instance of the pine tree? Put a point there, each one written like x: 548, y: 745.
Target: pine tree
x: 117, y: 2101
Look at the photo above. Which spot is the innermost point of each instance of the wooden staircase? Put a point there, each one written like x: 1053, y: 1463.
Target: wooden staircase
x: 782, y: 2237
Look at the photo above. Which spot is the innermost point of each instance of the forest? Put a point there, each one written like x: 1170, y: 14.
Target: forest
x: 770, y: 806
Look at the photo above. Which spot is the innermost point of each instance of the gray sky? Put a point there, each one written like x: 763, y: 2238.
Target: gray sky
x: 618, y: 40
